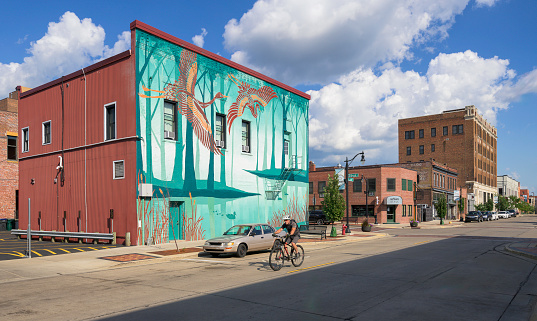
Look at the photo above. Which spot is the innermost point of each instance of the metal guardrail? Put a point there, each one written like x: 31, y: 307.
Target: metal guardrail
x: 73, y: 235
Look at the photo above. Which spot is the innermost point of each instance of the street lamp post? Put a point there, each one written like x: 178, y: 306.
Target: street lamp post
x: 347, y: 162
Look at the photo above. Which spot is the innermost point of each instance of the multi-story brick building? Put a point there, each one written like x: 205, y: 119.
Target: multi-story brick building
x: 9, y: 164
x: 462, y: 139
x: 434, y: 181
x: 524, y: 195
x: 384, y: 191
x: 508, y: 186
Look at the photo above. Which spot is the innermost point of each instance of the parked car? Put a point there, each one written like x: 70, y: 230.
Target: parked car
x: 494, y: 216
x: 503, y: 214
x: 318, y: 217
x: 240, y: 239
x: 512, y: 213
x: 474, y: 216
x: 487, y: 216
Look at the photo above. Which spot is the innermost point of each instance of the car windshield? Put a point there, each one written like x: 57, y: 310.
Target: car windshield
x: 238, y: 230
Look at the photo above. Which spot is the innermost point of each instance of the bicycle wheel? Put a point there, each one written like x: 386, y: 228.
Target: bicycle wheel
x: 297, y: 261
x: 276, y: 258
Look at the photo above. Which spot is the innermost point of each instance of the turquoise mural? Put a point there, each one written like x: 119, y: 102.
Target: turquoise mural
x: 218, y: 146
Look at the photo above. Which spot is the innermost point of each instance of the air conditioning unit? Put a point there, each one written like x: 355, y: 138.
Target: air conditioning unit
x: 220, y: 143
x: 245, y: 148
x: 169, y: 135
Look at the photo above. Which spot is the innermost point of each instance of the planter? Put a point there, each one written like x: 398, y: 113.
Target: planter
x: 413, y: 224
x: 366, y: 228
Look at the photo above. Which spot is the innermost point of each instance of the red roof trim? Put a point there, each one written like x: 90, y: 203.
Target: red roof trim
x: 154, y: 31
x: 78, y: 73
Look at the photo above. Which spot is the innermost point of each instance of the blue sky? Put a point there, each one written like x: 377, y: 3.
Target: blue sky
x: 365, y: 63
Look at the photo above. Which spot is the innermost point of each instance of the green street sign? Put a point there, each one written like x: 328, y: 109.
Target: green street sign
x: 351, y: 179
x: 354, y: 175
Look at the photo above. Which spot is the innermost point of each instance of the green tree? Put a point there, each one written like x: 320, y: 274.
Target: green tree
x: 513, y: 202
x: 462, y: 205
x: 503, y: 203
x: 441, y: 208
x: 334, y: 202
x: 525, y: 207
x: 481, y: 207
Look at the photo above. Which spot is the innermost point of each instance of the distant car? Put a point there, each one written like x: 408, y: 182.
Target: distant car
x: 487, y: 216
x: 474, y: 216
x: 318, y: 217
x: 240, y: 239
x: 512, y: 213
x: 503, y: 214
x: 494, y: 216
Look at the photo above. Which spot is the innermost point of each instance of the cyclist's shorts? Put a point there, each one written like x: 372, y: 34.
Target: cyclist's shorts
x: 292, y: 239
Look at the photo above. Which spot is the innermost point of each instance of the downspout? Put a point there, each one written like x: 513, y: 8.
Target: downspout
x: 85, y: 156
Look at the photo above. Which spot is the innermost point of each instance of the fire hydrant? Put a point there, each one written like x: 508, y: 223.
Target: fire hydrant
x: 343, y: 229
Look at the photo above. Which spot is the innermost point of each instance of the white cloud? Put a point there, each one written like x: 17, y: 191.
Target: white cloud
x: 489, y: 3
x: 317, y: 41
x: 199, y: 40
x: 68, y: 45
x: 362, y: 110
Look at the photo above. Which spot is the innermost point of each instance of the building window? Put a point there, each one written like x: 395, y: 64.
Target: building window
x: 404, y: 211
x: 311, y: 188
x: 390, y: 182
x: 170, y: 120
x: 409, y: 185
x: 409, y: 151
x: 119, y: 169
x: 432, y: 148
x: 110, y: 121
x: 409, y: 210
x: 246, y: 136
x: 421, y: 133
x: 433, y: 132
x: 456, y: 129
x: 422, y: 149
x: 357, y: 185
x: 409, y: 134
x: 12, y: 148
x: 220, y: 131
x: 286, y: 147
x: 371, y: 185
x: 403, y: 184
x: 46, y: 133
x: 25, y: 139
x: 320, y: 187
x: 445, y: 130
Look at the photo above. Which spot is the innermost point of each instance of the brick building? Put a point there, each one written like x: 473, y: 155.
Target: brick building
x: 435, y: 180
x: 462, y: 139
x: 9, y: 165
x: 390, y: 191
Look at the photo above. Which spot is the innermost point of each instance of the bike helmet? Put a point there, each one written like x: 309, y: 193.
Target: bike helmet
x: 286, y: 217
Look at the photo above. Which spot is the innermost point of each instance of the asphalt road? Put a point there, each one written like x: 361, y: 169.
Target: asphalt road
x: 13, y: 248
x: 457, y: 273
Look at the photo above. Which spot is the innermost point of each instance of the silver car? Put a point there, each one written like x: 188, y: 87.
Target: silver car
x: 240, y: 239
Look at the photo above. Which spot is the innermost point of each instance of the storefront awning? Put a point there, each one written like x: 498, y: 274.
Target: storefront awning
x: 393, y: 200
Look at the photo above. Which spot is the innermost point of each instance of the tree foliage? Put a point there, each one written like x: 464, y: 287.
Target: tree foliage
x: 462, y: 205
x: 334, y: 202
x: 503, y: 203
x: 441, y: 207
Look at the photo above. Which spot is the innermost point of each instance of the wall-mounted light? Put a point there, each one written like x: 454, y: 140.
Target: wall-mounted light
x: 32, y: 181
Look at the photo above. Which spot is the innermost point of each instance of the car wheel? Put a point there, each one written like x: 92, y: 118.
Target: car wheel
x: 320, y: 222
x: 241, y: 250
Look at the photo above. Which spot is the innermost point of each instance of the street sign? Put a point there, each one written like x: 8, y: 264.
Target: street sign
x: 354, y: 175
x: 351, y: 179
x: 456, y: 195
x: 495, y: 199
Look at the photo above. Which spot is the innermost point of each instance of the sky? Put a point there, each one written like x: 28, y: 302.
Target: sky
x: 365, y: 63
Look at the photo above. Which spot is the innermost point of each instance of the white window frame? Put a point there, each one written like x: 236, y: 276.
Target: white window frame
x: 25, y: 134
x: 114, y: 169
x: 105, y: 120
x: 43, y: 132
x: 174, y: 116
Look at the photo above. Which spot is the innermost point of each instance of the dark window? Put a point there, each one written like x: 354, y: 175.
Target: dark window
x: 421, y: 133
x: 25, y: 139
x: 220, y: 131
x: 403, y: 184
x: 46, y: 132
x: 445, y: 130
x: 246, y: 136
x: 409, y: 134
x: 404, y: 211
x: 170, y: 120
x: 359, y: 210
x: 422, y: 149
x: 409, y: 150
x: 110, y: 121
x: 432, y: 148
x: 433, y: 132
x: 12, y: 147
x: 371, y: 184
x: 321, y: 185
x: 390, y: 182
x: 357, y: 185
x: 311, y: 187
x: 456, y: 129
x: 119, y: 169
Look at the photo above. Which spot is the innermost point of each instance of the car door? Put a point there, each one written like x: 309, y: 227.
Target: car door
x: 267, y: 233
x: 256, y: 238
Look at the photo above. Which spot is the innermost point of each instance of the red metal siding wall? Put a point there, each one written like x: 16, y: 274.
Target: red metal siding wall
x: 111, y: 82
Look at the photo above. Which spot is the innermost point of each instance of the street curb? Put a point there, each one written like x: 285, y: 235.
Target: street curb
x: 519, y: 252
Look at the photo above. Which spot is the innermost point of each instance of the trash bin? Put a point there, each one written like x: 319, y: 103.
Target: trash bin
x: 3, y: 224
x: 10, y: 224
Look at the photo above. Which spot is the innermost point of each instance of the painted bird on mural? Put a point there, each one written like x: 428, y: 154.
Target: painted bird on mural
x: 183, y: 91
x: 248, y: 97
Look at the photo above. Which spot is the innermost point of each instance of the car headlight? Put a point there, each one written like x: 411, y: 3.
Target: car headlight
x: 230, y: 244
x: 206, y: 243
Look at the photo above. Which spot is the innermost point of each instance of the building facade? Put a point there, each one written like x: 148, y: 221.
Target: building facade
x: 164, y: 141
x: 385, y: 192
x: 461, y: 139
x: 508, y: 186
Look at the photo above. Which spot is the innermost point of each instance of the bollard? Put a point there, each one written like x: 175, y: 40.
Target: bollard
x: 128, y: 239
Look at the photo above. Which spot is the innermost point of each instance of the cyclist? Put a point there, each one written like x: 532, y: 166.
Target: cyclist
x: 293, y: 232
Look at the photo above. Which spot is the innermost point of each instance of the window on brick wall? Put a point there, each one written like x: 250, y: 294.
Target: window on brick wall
x: 422, y: 149
x: 445, y: 131
x: 311, y: 188
x: 357, y: 185
x: 409, y: 151
x: 433, y: 132
x: 409, y: 134
x: 457, y: 129
x: 421, y: 133
x: 403, y: 184
x: 390, y: 183
x: 410, y: 183
x: 320, y: 188
x: 433, y: 147
x: 12, y: 148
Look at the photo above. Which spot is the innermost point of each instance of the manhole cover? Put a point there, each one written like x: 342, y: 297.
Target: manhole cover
x: 129, y: 257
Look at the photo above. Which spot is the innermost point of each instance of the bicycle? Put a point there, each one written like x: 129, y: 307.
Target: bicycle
x: 280, y: 253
